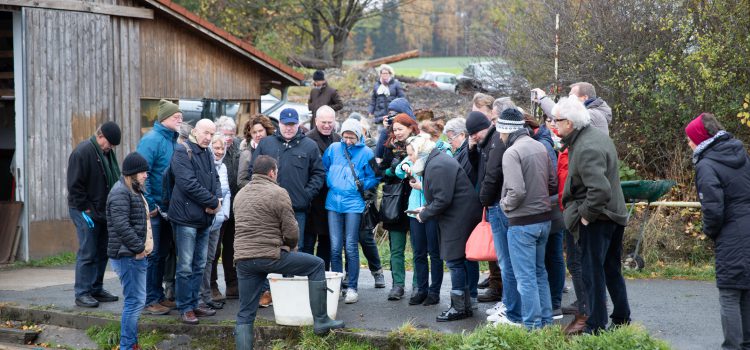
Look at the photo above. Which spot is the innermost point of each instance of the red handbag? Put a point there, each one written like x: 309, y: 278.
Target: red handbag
x: 480, y: 246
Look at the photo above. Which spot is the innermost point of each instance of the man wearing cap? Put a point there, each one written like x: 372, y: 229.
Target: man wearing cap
x: 301, y: 171
x: 595, y: 212
x: 322, y: 95
x: 195, y: 200
x: 92, y: 171
x: 528, y: 181
x: 482, y: 140
x: 157, y: 147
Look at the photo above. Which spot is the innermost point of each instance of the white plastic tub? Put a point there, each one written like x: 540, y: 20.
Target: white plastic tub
x: 291, y: 301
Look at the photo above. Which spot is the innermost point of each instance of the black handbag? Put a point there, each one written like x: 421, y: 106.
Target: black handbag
x: 370, y: 217
x: 390, y: 204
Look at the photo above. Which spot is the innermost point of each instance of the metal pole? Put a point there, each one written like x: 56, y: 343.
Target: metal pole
x: 557, y: 48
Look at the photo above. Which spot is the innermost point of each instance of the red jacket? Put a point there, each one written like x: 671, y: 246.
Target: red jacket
x: 562, y: 175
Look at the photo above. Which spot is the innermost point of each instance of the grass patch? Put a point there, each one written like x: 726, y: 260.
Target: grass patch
x: 309, y: 341
x: 108, y: 337
x: 674, y: 271
x: 50, y: 261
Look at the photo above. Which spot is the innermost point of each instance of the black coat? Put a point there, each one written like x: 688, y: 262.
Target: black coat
x: 492, y: 183
x: 301, y: 171
x: 87, y: 183
x: 462, y: 157
x: 393, y: 156
x: 379, y: 103
x: 196, y: 186
x: 318, y: 220
x: 480, y: 154
x: 452, y: 201
x: 126, y: 222
x: 723, y: 182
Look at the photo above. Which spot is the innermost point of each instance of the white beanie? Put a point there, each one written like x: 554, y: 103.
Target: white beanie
x: 352, y: 125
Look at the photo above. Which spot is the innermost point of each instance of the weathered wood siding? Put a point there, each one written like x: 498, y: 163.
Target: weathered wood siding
x: 180, y: 62
x: 81, y: 70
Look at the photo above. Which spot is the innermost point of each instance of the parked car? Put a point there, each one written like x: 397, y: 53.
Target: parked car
x: 495, y: 77
x: 267, y: 101
x: 443, y: 81
x: 194, y: 110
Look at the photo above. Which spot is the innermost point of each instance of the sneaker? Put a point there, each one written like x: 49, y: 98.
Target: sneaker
x: 498, y: 308
x: 168, y: 303
x: 156, y: 309
x: 496, y: 317
x: 265, y: 299
x: 432, y: 299
x: 379, y: 279
x: 216, y: 295
x: 396, y: 293
x: 557, y: 314
x: 351, y: 296
x: 505, y: 321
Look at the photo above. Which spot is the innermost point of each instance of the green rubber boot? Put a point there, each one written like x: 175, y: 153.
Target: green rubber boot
x: 319, y: 307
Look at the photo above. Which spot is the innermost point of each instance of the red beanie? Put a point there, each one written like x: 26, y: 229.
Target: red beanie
x: 696, y: 132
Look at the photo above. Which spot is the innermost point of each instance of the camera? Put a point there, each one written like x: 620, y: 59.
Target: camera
x: 389, y: 118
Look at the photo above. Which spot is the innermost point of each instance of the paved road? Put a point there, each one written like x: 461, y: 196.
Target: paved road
x: 685, y: 313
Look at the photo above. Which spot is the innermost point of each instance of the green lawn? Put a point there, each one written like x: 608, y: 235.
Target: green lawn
x: 415, y: 66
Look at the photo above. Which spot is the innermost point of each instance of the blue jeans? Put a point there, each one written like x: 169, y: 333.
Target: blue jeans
x: 163, y: 242
x: 555, y: 265
x: 301, y: 216
x: 527, y: 245
x: 340, y: 224
x: 213, y: 244
x: 192, y: 251
x: 251, y: 273
x: 91, y: 259
x: 458, y: 273
x: 601, y: 243
x: 132, y: 274
x: 472, y: 277
x: 511, y: 298
x: 424, y: 242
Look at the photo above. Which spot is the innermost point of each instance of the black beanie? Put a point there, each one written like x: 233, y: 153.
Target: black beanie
x: 319, y: 75
x: 111, y: 132
x: 134, y: 163
x: 476, y: 122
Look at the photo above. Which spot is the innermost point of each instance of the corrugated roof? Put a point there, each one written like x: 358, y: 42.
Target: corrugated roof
x: 230, y: 40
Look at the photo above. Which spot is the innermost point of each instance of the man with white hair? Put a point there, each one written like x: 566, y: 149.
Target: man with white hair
x: 195, y: 201
x: 228, y: 128
x: 595, y: 212
x: 600, y: 112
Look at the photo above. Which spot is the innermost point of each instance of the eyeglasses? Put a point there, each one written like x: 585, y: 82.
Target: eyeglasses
x: 557, y: 120
x: 450, y: 139
x: 350, y: 138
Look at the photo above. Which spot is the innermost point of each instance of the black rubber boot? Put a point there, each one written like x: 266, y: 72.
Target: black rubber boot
x: 319, y: 307
x: 458, y: 308
x: 243, y: 336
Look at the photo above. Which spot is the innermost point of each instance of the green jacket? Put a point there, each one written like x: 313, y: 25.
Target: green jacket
x: 592, y: 188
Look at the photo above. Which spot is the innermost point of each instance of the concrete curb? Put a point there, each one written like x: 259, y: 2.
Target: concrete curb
x: 265, y: 335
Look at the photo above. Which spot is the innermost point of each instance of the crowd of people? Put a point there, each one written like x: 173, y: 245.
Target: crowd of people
x: 300, y: 202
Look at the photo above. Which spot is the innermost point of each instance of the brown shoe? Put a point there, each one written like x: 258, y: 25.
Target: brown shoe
x: 204, y: 311
x: 168, y: 303
x: 232, y: 292
x: 265, y: 299
x: 189, y: 318
x: 216, y: 295
x: 577, y: 325
x: 156, y: 309
x: 493, y: 293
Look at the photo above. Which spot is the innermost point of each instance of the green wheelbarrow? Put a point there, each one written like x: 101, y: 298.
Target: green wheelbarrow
x: 642, y: 190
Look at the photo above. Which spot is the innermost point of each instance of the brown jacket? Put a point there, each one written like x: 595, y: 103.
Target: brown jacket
x: 264, y: 220
x: 326, y: 95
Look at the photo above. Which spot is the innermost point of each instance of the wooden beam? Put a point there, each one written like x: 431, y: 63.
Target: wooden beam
x: 84, y: 6
x: 390, y: 59
x: 6, y: 54
x: 6, y: 75
x: 7, y: 92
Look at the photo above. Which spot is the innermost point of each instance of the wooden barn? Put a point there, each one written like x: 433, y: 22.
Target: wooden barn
x: 67, y: 66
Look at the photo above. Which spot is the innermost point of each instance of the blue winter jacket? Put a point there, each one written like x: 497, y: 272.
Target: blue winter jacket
x: 544, y: 136
x: 157, y: 146
x: 343, y: 195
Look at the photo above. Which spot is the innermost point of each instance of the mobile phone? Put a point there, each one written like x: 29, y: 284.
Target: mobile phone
x: 414, y: 212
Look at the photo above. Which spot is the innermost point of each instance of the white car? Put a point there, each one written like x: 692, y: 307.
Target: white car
x: 443, y: 81
x: 267, y: 101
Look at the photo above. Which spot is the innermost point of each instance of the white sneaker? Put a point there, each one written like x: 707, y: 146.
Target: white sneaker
x: 505, y: 321
x: 351, y: 296
x: 496, y: 317
x: 499, y: 307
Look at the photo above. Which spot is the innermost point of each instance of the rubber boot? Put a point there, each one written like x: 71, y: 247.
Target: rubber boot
x: 467, y: 304
x: 460, y: 304
x: 319, y: 307
x: 243, y: 336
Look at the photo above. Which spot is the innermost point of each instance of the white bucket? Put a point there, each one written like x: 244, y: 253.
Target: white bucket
x: 291, y: 301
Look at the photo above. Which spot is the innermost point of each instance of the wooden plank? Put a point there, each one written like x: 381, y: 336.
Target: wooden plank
x: 6, y: 75
x: 10, y: 212
x: 17, y: 336
x: 6, y: 54
x: 84, y: 6
x: 7, y: 92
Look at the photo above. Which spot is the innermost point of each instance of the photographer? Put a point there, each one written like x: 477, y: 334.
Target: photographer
x: 399, y: 105
x: 395, y: 197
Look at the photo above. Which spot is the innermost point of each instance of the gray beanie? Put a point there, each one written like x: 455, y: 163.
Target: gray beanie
x: 352, y: 125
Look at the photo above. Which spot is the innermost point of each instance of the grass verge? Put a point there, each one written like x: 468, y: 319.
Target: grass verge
x: 674, y: 271
x: 50, y: 261
x: 108, y: 337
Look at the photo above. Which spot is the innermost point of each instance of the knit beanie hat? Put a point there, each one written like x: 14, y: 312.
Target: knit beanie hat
x: 476, y: 122
x: 510, y: 120
x: 166, y: 110
x: 696, y: 131
x: 352, y: 125
x: 355, y: 115
x: 111, y: 132
x: 319, y: 75
x: 134, y: 163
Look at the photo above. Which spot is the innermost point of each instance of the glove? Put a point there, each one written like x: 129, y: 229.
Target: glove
x: 89, y: 222
x: 394, y: 164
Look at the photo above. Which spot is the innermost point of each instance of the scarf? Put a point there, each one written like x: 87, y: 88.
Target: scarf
x: 383, y: 89
x: 703, y: 145
x: 109, y: 162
